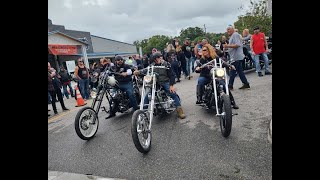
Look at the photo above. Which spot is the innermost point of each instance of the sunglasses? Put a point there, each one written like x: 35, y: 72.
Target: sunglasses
x: 204, y: 50
x: 119, y: 60
x: 80, y: 61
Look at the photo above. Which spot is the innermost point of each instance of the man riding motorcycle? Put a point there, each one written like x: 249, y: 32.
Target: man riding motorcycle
x: 166, y: 80
x: 208, y: 54
x: 125, y: 82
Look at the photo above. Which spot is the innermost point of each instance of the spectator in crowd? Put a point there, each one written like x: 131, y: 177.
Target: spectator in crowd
x: 54, y: 88
x: 66, y: 82
x: 259, y: 46
x: 82, y: 74
x: 235, y: 49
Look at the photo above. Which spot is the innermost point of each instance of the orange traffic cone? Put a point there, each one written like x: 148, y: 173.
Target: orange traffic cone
x: 80, y: 101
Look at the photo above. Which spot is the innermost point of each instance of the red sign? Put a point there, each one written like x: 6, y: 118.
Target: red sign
x: 58, y: 49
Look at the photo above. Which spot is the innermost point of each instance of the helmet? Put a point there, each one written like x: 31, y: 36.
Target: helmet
x: 112, y: 81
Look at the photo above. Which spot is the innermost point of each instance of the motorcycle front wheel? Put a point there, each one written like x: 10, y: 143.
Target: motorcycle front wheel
x: 226, y: 118
x: 141, y: 134
x: 86, y: 123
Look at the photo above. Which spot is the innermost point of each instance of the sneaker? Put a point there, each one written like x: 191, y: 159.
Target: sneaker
x: 260, y: 74
x: 178, y: 80
x: 65, y: 109
x: 245, y: 86
x: 55, y: 111
x: 230, y: 87
x: 267, y: 73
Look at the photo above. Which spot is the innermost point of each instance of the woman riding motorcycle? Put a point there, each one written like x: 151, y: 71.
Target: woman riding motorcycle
x: 208, y: 54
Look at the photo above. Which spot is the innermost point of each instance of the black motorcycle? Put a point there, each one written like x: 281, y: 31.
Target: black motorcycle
x: 214, y: 96
x: 86, y: 120
x: 247, y: 63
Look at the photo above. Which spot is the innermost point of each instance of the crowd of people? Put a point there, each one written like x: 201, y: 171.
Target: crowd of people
x: 183, y: 59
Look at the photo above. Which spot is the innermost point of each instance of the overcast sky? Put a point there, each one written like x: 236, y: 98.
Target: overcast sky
x: 130, y: 20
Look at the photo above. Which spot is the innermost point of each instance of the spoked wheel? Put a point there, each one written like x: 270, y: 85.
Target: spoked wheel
x: 141, y: 135
x: 86, y: 123
x: 226, y: 118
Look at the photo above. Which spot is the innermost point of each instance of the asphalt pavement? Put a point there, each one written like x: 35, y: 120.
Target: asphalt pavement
x: 192, y: 148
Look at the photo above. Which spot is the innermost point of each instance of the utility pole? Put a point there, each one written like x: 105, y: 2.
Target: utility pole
x: 205, y: 31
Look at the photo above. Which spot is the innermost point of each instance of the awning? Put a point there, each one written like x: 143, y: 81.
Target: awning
x: 58, y: 49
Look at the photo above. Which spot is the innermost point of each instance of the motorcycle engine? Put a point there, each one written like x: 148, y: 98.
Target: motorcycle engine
x: 122, y: 100
x: 207, y: 93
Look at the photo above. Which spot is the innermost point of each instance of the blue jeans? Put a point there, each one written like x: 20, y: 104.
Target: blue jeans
x: 204, y: 80
x: 49, y: 98
x: 128, y: 88
x: 265, y: 59
x: 166, y: 87
x: 66, y: 91
x: 193, y: 59
x: 188, y: 65
x: 175, y: 68
x: 234, y: 73
x: 84, y: 88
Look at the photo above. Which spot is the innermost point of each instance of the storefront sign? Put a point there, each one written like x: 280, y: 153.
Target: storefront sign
x: 57, y: 49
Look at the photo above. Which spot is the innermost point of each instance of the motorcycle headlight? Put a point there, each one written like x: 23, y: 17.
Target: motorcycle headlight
x: 220, y: 72
x: 147, y: 78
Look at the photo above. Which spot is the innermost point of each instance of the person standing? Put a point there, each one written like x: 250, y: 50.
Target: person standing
x: 259, y: 46
x: 54, y: 88
x: 66, y: 82
x: 187, y: 53
x: 235, y: 50
x: 82, y: 73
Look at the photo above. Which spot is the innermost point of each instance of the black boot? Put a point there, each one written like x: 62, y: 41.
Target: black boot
x: 112, y: 114
x: 63, y: 106
x: 200, y: 89
x: 233, y: 103
x: 54, y: 107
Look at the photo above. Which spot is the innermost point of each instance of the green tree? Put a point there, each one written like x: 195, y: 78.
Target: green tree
x: 191, y: 32
x: 256, y: 16
x: 157, y: 41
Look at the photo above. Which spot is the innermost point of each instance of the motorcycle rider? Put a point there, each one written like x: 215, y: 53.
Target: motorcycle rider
x: 105, y: 63
x: 208, y: 54
x: 166, y: 80
x: 125, y: 82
